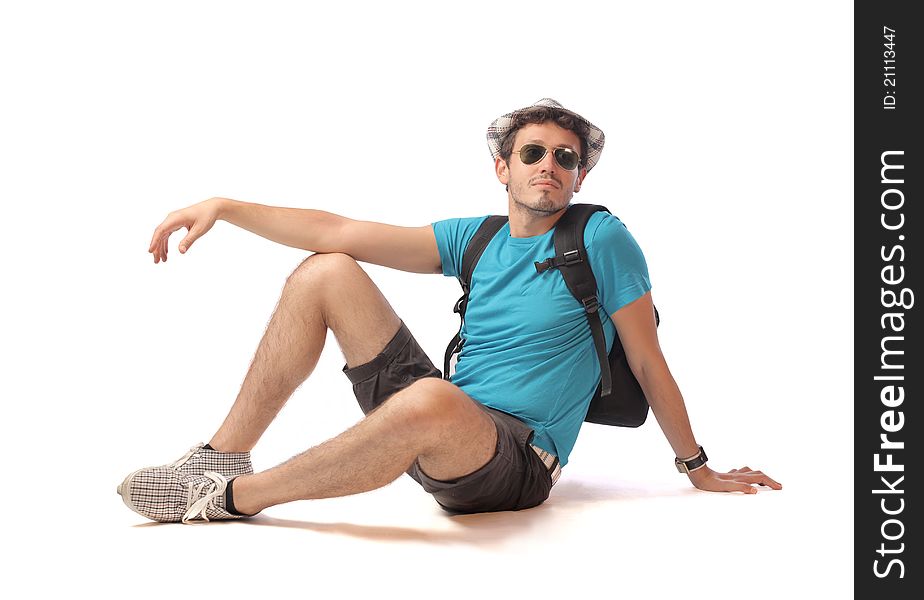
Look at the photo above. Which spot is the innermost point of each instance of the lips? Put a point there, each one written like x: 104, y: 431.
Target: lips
x: 546, y: 183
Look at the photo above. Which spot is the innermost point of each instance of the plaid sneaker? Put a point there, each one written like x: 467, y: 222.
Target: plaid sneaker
x: 167, y: 495
x: 200, y: 459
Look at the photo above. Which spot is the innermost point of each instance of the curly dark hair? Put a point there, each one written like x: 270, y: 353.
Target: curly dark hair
x: 542, y: 114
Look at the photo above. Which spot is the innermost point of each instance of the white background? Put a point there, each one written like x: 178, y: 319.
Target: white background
x: 729, y: 156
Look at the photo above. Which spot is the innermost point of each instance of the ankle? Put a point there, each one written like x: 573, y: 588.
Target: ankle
x: 226, y: 448
x: 236, y: 498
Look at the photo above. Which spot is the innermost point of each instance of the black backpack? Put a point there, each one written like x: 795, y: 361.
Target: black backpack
x: 619, y: 399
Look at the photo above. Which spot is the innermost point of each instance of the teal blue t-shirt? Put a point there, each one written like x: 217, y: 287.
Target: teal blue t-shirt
x: 528, y: 347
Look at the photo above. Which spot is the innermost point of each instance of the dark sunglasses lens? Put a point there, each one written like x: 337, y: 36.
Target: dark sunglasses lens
x: 531, y: 153
x: 568, y: 159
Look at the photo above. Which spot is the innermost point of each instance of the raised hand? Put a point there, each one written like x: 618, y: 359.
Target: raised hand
x: 197, y: 219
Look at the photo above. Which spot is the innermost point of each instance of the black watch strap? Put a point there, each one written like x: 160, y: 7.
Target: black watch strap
x: 692, y: 463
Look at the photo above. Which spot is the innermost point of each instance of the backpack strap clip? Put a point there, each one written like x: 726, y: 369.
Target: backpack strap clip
x: 460, y: 305
x: 568, y: 258
x: 591, y: 305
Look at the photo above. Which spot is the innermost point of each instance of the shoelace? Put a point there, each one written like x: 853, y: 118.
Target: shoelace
x: 198, y: 508
x: 182, y: 461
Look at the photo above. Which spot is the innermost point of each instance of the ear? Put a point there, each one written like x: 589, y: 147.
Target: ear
x: 501, y: 170
x: 580, y: 179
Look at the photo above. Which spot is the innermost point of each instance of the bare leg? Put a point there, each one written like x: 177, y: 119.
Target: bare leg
x: 432, y: 420
x: 325, y: 291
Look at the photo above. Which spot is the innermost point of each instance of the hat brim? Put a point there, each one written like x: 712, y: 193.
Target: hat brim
x: 502, y: 125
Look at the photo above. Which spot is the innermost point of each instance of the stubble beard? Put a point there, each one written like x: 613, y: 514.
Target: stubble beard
x: 543, y: 206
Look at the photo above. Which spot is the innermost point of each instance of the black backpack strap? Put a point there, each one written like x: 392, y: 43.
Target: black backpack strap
x: 571, y: 259
x: 476, y: 246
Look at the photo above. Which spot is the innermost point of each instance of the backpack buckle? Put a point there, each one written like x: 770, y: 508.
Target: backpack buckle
x: 544, y: 265
x: 460, y: 305
x: 572, y: 256
x: 590, y: 304
x: 563, y: 260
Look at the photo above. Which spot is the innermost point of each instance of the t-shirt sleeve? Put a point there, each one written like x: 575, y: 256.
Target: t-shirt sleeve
x: 618, y: 263
x: 452, y: 236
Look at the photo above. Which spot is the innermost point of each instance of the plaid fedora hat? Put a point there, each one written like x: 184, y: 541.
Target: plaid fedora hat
x: 501, y: 125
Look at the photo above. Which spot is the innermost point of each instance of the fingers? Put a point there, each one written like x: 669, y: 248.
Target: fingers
x: 719, y: 483
x: 197, y: 219
x: 158, y: 242
x: 161, y: 237
x: 761, y: 478
x: 154, y: 245
x: 742, y: 480
x: 745, y: 474
x: 770, y: 483
x: 159, y: 249
x: 155, y: 237
x: 733, y: 481
x: 191, y: 237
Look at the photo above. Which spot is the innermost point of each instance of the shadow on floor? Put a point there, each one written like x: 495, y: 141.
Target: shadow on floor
x: 478, y: 529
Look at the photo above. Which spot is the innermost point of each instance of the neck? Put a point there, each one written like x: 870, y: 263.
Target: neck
x: 525, y: 222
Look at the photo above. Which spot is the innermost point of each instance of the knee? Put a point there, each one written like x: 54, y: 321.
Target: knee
x: 434, y: 403
x: 322, y: 266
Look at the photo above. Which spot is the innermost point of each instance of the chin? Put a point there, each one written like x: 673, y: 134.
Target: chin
x: 548, y: 203
x: 541, y: 202
x: 549, y: 206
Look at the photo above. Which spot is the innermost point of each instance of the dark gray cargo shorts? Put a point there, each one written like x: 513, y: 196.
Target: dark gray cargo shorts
x: 514, y: 479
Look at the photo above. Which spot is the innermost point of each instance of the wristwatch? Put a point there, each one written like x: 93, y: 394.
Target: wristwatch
x: 685, y: 465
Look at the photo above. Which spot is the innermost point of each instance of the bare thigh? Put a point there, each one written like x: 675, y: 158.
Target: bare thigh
x: 352, y: 306
x: 463, y: 436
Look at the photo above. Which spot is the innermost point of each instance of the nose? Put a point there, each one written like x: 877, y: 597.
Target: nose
x: 548, y: 162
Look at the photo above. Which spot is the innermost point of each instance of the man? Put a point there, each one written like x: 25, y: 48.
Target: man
x: 497, y: 435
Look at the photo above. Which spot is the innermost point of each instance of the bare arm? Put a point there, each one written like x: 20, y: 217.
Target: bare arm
x: 636, y: 327
x: 635, y: 324
x: 305, y: 228
x: 406, y: 248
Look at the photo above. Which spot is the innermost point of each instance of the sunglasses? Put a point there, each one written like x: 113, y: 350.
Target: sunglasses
x: 533, y: 153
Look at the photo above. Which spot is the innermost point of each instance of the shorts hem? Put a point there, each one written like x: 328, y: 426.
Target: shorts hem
x: 362, y: 372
